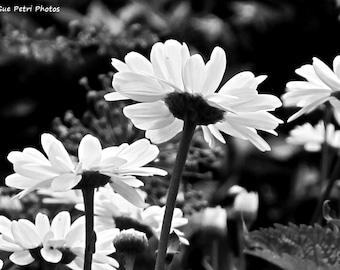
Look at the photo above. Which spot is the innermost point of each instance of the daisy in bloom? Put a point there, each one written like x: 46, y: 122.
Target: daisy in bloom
x: 95, y: 167
x: 174, y: 86
x: 58, y: 242
x: 312, y: 138
x: 153, y: 216
x: 109, y: 206
x: 322, y: 84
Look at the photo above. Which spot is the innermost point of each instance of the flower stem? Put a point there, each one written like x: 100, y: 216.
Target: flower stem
x: 183, y: 149
x: 325, y: 195
x: 324, y: 163
x: 129, y: 261
x: 240, y: 242
x: 90, y: 240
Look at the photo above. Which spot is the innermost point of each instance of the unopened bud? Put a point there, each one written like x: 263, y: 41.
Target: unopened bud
x: 247, y: 203
x: 131, y: 242
x: 215, y: 219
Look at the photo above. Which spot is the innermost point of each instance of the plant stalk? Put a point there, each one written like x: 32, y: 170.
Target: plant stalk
x: 183, y: 149
x: 324, y: 165
x: 90, y: 238
x: 326, y: 193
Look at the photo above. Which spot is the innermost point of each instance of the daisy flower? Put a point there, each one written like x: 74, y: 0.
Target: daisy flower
x: 109, y: 206
x: 153, y: 217
x: 175, y: 85
x: 322, y: 84
x: 95, y: 167
x: 312, y: 138
x: 58, y: 242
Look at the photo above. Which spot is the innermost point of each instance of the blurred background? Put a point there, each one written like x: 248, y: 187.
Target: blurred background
x: 50, y: 62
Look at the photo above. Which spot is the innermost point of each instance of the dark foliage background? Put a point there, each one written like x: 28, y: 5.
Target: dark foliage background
x: 43, y: 57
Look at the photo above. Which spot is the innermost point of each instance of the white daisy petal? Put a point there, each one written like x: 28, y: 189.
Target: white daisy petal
x: 260, y: 120
x: 194, y: 74
x: 166, y: 133
x: 308, y: 72
x: 18, y: 181
x: 148, y: 123
x: 25, y: 233
x: 58, y: 160
x: 51, y: 255
x: 326, y: 74
x: 42, y: 224
x: 65, y: 182
x: 138, y: 87
x: 129, y: 193
x: 47, y: 140
x: 21, y: 258
x: 215, y: 132
x: 173, y: 61
x: 9, y: 245
x: 89, y: 152
x: 61, y: 224
x: 308, y: 108
x: 242, y: 80
x: 114, y: 96
x: 157, y: 60
x: 138, y: 63
x: 208, y: 137
x: 253, y: 137
x: 119, y: 65
x: 336, y: 66
x: 215, y: 69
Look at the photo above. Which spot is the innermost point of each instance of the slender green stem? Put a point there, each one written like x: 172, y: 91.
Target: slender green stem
x: 240, y: 242
x: 325, y: 195
x: 214, y: 254
x: 129, y: 261
x: 183, y: 149
x: 324, y: 163
x: 90, y: 240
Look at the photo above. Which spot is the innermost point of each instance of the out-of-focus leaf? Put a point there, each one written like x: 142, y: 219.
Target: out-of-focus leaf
x: 296, y: 247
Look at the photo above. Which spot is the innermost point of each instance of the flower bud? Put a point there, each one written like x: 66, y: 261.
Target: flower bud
x: 131, y: 242
x: 247, y: 203
x: 215, y: 219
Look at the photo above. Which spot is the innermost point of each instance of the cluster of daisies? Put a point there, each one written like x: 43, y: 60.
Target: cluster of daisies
x: 169, y: 90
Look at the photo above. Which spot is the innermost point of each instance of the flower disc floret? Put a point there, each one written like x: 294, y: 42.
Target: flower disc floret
x: 193, y: 107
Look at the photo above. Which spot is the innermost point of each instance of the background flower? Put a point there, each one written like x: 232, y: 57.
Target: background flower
x: 111, y: 210
x: 174, y: 83
x: 312, y: 137
x: 322, y: 84
x: 55, y: 242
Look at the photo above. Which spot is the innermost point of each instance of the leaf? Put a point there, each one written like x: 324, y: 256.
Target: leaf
x: 296, y: 247
x: 288, y: 262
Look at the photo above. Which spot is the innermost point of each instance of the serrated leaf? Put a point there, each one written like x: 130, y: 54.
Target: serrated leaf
x: 288, y: 262
x: 296, y: 247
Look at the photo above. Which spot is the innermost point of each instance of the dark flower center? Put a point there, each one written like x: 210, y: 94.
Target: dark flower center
x: 92, y: 179
x: 193, y: 107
